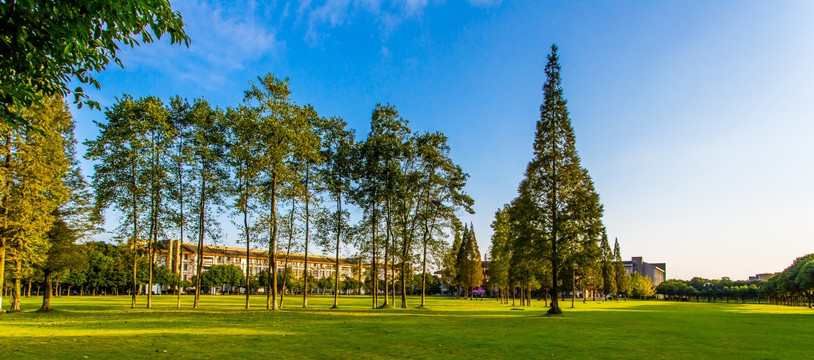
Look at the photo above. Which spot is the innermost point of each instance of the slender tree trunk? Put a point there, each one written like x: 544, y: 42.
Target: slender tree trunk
x: 338, y: 238
x: 46, y: 296
x: 513, y: 291
x: 424, y: 272
x: 3, y: 241
x: 374, y: 276
x: 273, y: 245
x: 288, y: 252
x: 307, y: 224
x: 182, y: 223
x: 201, y: 217
x: 573, y: 287
x: 134, y: 292
x: 150, y: 254
x: 387, y: 255
x: 248, y: 239
x: 545, y: 296
x: 554, y: 256
x: 2, y: 270
x: 18, y: 268
x: 404, y: 251
x: 179, y: 265
x: 28, y: 289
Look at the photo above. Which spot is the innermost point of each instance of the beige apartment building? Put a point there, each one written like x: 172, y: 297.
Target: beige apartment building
x: 319, y: 266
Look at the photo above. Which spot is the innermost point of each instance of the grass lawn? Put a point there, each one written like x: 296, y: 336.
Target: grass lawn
x: 105, y: 327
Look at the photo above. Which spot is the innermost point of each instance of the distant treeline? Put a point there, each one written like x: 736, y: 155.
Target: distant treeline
x: 100, y: 268
x: 792, y: 287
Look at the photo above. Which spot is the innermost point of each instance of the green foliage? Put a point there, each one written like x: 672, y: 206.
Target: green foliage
x: 555, y: 222
x: 500, y: 252
x: 35, y: 176
x: 46, y: 44
x: 468, y: 261
x: 641, y: 287
x: 622, y: 281
x: 222, y: 275
x: 607, y: 268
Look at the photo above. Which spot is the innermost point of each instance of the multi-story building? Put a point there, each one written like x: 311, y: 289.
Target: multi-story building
x: 764, y: 276
x: 318, y: 266
x: 657, y: 272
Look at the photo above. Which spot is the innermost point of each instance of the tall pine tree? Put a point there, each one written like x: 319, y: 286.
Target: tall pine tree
x: 553, y: 178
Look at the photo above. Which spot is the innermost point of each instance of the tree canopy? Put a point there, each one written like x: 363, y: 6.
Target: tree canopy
x: 45, y: 44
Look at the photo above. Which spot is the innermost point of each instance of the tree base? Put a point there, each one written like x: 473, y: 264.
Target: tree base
x: 554, y: 311
x: 385, y: 306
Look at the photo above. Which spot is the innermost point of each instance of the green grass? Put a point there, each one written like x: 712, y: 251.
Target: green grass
x: 105, y: 327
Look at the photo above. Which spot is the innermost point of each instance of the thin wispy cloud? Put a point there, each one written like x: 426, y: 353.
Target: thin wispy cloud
x: 223, y: 40
x: 389, y: 15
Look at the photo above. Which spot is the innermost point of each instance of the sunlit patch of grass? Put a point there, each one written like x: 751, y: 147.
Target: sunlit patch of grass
x: 105, y: 327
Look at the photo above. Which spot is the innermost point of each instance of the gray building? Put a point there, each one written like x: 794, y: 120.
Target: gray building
x: 657, y: 272
x: 764, y: 276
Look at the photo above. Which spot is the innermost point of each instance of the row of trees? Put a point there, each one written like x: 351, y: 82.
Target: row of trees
x: 98, y: 268
x: 170, y: 169
x: 794, y: 286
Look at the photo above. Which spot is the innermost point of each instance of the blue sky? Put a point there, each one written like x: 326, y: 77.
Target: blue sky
x: 694, y: 118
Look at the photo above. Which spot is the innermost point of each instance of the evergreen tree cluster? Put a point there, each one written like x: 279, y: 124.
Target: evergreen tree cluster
x: 469, y: 271
x: 43, y: 202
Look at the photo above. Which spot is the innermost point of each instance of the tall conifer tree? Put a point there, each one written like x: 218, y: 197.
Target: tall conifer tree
x: 553, y: 176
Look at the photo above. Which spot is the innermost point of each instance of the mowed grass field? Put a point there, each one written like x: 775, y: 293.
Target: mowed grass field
x: 105, y: 327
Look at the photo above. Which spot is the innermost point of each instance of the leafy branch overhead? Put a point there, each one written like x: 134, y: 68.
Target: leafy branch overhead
x: 45, y: 44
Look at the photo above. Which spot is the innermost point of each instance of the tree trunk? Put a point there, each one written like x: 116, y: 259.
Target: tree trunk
x: 307, y: 223
x: 150, y: 254
x: 2, y: 268
x: 573, y: 287
x: 46, y: 296
x: 288, y: 251
x: 248, y: 244
x: 424, y: 273
x: 16, y: 295
x: 387, y: 256
x: 338, y: 238
x: 273, y: 242
x: 181, y: 240
x: 134, y: 291
x: 201, y: 217
x: 374, y: 276
x: 179, y: 265
x: 513, y: 297
x: 404, y: 265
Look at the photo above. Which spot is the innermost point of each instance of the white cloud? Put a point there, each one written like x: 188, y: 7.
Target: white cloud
x: 222, y: 40
x: 388, y: 14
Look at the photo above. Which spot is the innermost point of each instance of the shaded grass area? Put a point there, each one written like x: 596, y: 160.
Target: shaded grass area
x: 105, y: 327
